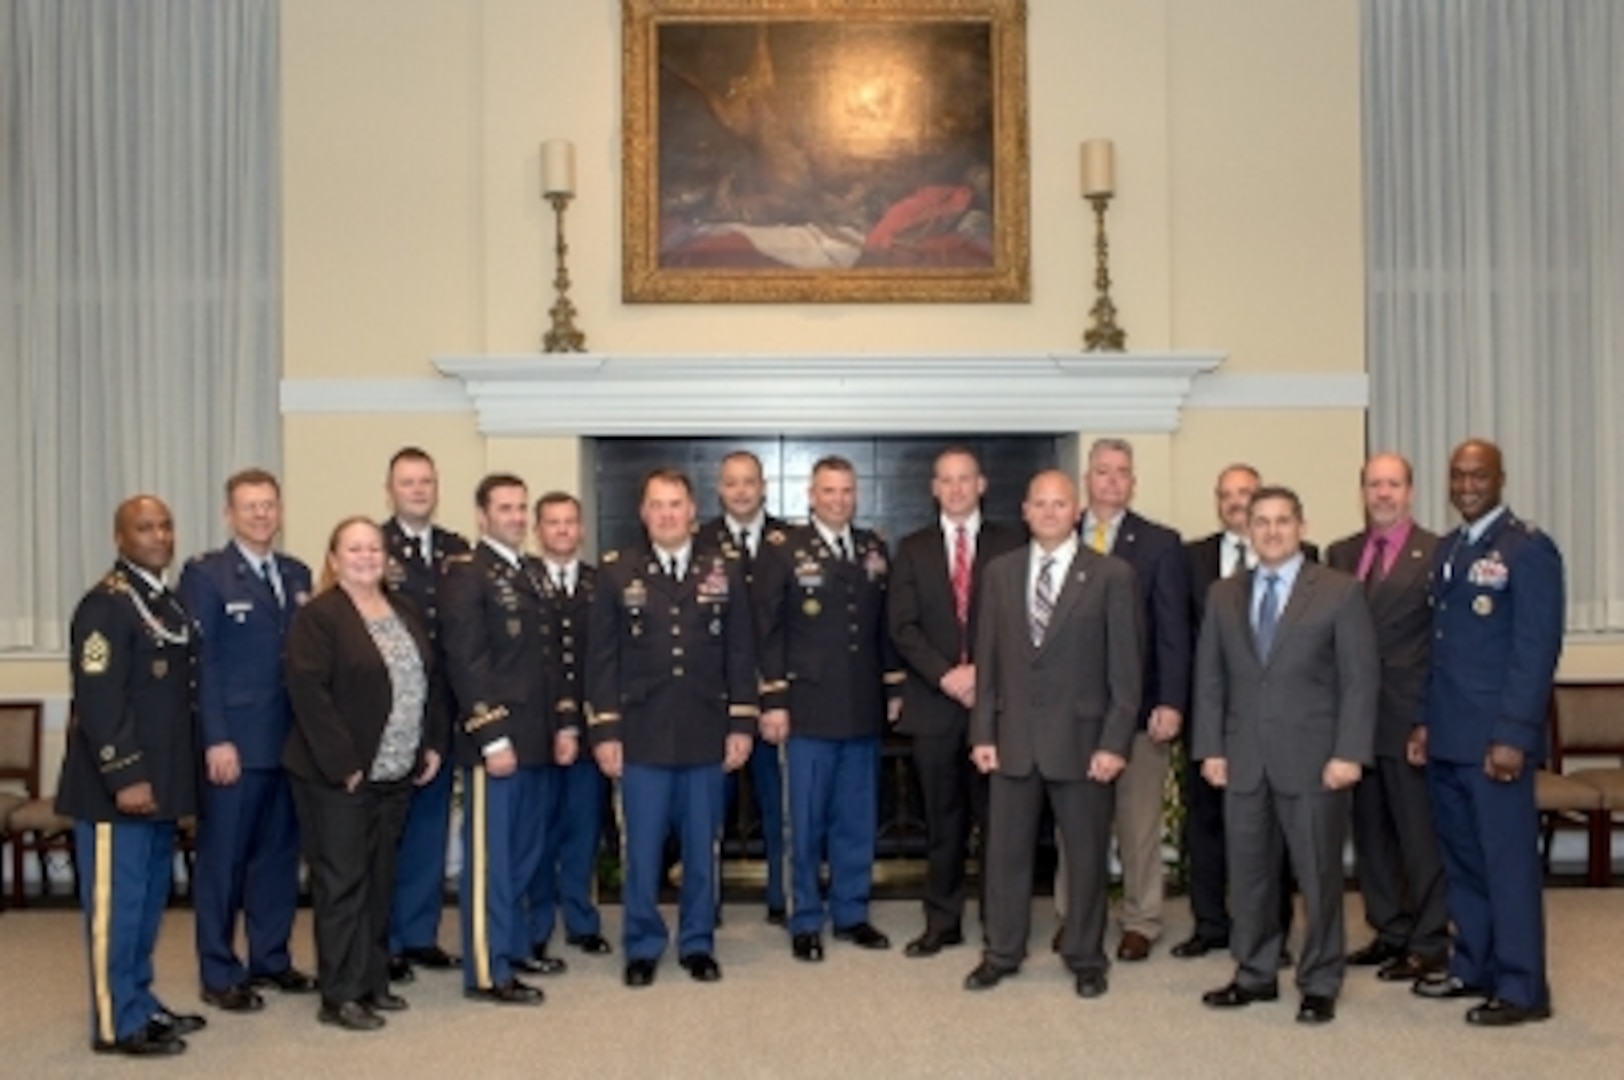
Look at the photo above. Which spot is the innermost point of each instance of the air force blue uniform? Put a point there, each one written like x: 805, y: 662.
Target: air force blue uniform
x: 827, y: 656
x: 1498, y: 618
x: 671, y: 674
x: 496, y: 630
x: 247, y: 836
x: 564, y: 881
x: 134, y: 722
x: 414, y: 917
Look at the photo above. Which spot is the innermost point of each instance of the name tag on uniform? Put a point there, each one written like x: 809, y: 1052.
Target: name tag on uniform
x: 238, y: 609
x: 809, y: 575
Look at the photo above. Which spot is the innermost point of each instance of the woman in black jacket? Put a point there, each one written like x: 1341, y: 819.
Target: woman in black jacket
x: 359, y: 665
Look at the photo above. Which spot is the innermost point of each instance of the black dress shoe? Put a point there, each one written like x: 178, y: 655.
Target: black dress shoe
x: 236, y: 998
x: 431, y: 956
x: 1195, y: 946
x: 542, y: 964
x: 640, y: 972
x: 512, y: 992
x: 1235, y: 995
x: 863, y: 935
x: 174, y: 1025
x: 701, y: 967
x: 1378, y: 952
x: 932, y: 942
x: 141, y: 1044
x: 289, y: 981
x: 986, y: 976
x: 349, y: 1015
x: 400, y: 970
x: 1443, y: 987
x: 1091, y: 984
x: 385, y: 1002
x: 775, y: 916
x: 1498, y: 1013
x: 807, y: 947
x: 1316, y: 1009
x: 1408, y: 968
x: 591, y: 944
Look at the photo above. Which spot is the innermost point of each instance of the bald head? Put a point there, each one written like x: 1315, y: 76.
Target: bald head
x: 1050, y: 510
x: 144, y: 532
x: 1477, y: 476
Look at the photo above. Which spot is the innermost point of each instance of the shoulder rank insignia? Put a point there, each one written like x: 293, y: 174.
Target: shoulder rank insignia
x: 776, y: 536
x: 609, y: 557
x: 95, y: 654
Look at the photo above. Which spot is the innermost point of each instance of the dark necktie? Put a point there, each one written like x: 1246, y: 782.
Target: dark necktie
x: 842, y: 548
x: 1268, y: 615
x: 1378, y: 564
x: 267, y: 570
x: 1240, y: 559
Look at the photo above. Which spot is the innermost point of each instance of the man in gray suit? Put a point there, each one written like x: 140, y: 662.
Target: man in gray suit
x: 1058, y: 681
x: 1286, y: 678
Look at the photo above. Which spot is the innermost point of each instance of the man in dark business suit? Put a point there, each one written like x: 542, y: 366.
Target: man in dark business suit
x: 1400, y: 876
x: 1224, y: 554
x: 1286, y: 679
x: 1498, y: 617
x: 243, y: 598
x: 743, y: 525
x: 1157, y: 557
x: 417, y: 549
x: 932, y: 615
x: 496, y: 631
x: 1059, y: 672
x: 564, y: 879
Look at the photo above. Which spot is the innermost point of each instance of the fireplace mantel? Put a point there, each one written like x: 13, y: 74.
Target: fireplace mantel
x: 591, y: 394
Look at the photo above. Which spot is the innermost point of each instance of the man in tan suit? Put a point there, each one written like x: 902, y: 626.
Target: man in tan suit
x: 1058, y: 682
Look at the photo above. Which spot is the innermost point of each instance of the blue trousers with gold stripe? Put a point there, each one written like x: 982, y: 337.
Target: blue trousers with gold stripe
x: 124, y: 877
x: 563, y: 881
x: 833, y: 800
x: 656, y: 800
x: 504, y: 839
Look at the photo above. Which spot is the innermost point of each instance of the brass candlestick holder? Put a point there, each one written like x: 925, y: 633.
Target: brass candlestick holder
x: 564, y: 335
x: 1104, y: 335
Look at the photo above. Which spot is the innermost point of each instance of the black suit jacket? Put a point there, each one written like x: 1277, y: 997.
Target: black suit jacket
x: 341, y: 691
x: 925, y: 626
x: 1157, y: 557
x: 1400, y: 608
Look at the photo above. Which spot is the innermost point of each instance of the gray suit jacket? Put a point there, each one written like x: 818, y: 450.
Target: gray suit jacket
x: 1049, y: 707
x: 1311, y: 700
x: 1401, y: 608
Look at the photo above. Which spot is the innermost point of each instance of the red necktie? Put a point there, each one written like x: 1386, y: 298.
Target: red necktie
x: 961, y: 586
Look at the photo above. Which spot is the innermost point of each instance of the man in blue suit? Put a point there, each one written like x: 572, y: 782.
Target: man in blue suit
x: 1498, y: 617
x: 1156, y: 554
x: 242, y: 598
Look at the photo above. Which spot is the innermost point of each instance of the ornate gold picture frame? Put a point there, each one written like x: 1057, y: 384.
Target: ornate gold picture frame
x: 825, y: 151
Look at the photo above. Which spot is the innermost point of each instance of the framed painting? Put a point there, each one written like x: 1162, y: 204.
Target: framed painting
x: 825, y: 151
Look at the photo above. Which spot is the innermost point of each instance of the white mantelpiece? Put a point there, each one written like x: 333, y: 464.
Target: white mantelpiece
x: 590, y: 394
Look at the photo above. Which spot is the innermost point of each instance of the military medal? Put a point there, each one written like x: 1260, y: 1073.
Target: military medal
x: 810, y: 607
x: 513, y: 626
x: 634, y: 595
x: 1483, y: 605
x: 160, y: 668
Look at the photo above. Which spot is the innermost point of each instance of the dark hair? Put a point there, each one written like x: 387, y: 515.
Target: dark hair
x: 492, y: 481
x: 251, y: 478
x: 667, y: 476
x: 833, y: 463
x: 556, y: 498
x: 1276, y: 491
x: 410, y: 453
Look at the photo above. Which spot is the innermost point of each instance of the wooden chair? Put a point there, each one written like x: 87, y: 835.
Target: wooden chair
x: 1587, y: 720
x: 32, y: 823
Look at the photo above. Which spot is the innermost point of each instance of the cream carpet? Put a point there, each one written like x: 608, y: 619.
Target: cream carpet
x: 856, y: 1015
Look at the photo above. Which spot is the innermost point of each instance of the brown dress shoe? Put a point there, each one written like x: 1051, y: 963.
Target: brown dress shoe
x: 1133, y: 946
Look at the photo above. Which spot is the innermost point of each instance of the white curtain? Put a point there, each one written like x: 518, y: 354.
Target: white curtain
x: 1494, y: 179
x: 139, y: 280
